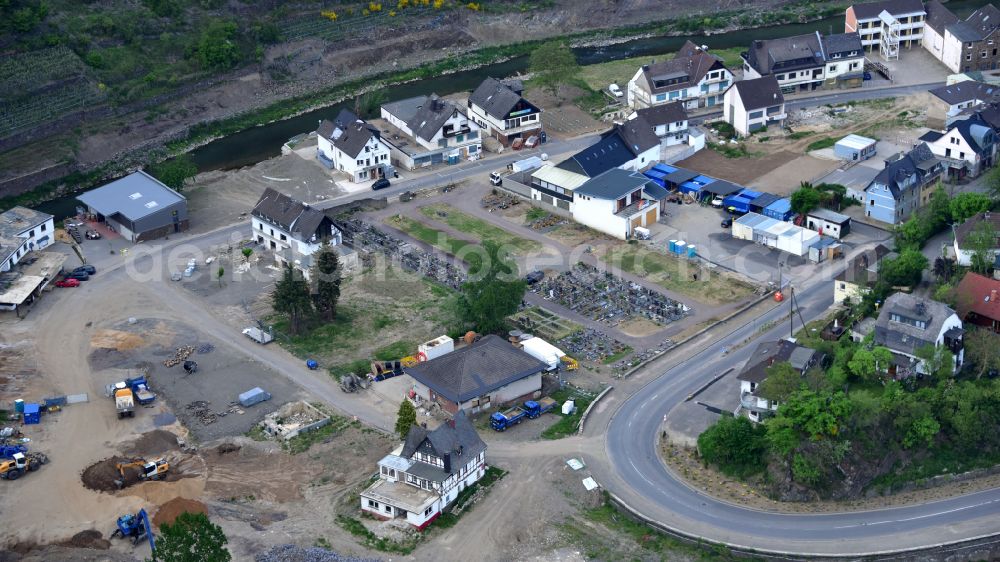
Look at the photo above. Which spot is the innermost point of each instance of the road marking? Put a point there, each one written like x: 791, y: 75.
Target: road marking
x: 916, y: 517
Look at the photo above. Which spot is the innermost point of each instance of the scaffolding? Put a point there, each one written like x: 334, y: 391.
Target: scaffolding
x: 889, y: 40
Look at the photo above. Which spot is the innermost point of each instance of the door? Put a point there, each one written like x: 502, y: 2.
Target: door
x: 651, y: 216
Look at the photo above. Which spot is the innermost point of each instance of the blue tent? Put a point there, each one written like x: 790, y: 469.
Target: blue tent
x: 740, y: 202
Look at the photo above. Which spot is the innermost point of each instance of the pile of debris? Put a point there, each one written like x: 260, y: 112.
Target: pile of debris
x: 179, y: 356
x: 205, y: 348
x: 601, y: 296
x: 498, y: 200
x: 202, y: 411
x: 292, y: 553
x: 547, y: 221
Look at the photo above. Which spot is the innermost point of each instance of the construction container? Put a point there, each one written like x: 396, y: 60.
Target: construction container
x: 19, y: 406
x: 544, y: 352
x: 56, y: 401
x: 253, y: 396
x: 32, y: 414
x: 441, y: 345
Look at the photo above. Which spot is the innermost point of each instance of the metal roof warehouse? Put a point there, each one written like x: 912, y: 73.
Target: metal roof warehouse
x: 138, y: 206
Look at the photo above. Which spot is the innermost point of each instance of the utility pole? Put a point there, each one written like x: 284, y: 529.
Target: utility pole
x: 791, y: 312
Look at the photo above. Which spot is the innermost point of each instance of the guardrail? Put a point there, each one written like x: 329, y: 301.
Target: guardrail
x: 586, y: 413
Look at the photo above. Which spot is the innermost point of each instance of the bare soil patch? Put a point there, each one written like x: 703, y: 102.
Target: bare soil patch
x: 92, y: 539
x: 639, y: 327
x: 170, y: 511
x: 737, y: 170
x: 116, y: 339
x: 156, y: 442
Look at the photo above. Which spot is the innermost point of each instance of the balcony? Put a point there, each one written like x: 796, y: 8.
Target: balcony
x: 777, y: 117
x: 751, y: 402
x: 450, y: 131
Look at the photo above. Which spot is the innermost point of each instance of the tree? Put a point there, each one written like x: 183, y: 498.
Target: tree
x: 553, y: 63
x: 936, y: 360
x: 734, y: 444
x: 819, y: 415
x: 326, y: 281
x: 220, y: 274
x: 869, y: 365
x: 805, y: 199
x: 191, y: 538
x: 405, y: 419
x: 174, y: 172
x: 781, y: 382
x: 982, y: 241
x: 913, y: 233
x: 291, y: 298
x: 967, y: 205
x: 944, y: 268
x: 921, y: 432
x: 982, y: 351
x: 497, y: 293
x: 993, y: 182
x: 217, y: 47
x: 247, y: 252
x: 905, y: 270
x: 938, y: 210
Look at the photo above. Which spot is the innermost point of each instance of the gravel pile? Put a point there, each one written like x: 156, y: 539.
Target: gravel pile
x: 292, y: 553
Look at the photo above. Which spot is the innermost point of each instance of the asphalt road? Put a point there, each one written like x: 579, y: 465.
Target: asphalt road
x: 633, y: 471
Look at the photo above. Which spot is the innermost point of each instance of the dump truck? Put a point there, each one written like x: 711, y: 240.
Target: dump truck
x: 20, y: 463
x: 140, y: 390
x: 531, y: 409
x: 124, y: 401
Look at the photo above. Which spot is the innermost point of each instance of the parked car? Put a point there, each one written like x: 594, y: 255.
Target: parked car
x: 615, y: 90
x: 86, y: 268
x: 381, y: 184
x: 518, y: 144
x: 93, y: 235
x: 717, y: 202
x: 78, y: 275
x: 532, y: 142
x: 68, y: 282
x: 534, y: 277
x: 726, y: 223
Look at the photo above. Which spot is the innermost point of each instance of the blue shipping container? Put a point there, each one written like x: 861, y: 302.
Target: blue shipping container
x: 32, y: 414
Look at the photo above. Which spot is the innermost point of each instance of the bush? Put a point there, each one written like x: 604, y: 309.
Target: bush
x: 735, y: 445
x: 821, y: 144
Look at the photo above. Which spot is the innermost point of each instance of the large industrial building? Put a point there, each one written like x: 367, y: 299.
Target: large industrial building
x: 138, y: 206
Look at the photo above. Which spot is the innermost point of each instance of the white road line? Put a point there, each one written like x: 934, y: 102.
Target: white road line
x: 914, y: 518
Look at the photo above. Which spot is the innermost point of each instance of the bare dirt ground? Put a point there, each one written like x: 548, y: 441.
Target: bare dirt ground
x: 562, y: 117
x: 741, y: 171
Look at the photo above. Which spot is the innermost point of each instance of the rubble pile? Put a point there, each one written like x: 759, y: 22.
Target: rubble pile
x: 181, y: 354
x: 292, y: 553
x: 498, y: 200
x: 601, y: 296
x: 202, y: 411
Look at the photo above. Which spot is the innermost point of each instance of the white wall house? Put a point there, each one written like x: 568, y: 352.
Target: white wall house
x: 694, y: 77
x: 907, y: 323
x: 36, y: 227
x: 425, y: 474
x: 432, y: 131
x: 754, y: 373
x: 751, y: 105
x: 807, y: 62
x: 291, y: 229
x: 616, y: 202
x: 351, y: 146
x: 968, y: 146
x: 887, y: 26
x: 12, y: 249
x: 963, y: 251
x: 500, y: 111
x: 669, y: 122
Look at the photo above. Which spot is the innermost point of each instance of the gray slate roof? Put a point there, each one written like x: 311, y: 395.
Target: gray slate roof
x: 475, y: 370
x: 664, y: 114
x: 966, y: 91
x: 938, y: 16
x: 863, y: 269
x: 978, y: 26
x: 786, y: 53
x: 841, y: 43
x: 354, y: 137
x: 690, y: 63
x: 873, y: 9
x: 327, y: 127
x: 907, y: 338
x: 496, y: 98
x: 9, y: 245
x: 638, y: 135
x: 135, y: 196
x: 291, y: 215
x: 454, y: 441
x: 913, y: 162
x: 19, y: 219
x: 759, y: 92
x: 424, y: 115
x: 770, y: 352
x: 613, y: 184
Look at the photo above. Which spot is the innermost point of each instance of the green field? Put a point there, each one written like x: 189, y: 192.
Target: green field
x: 437, y: 238
x: 478, y: 228
x: 676, y: 274
x: 599, y: 76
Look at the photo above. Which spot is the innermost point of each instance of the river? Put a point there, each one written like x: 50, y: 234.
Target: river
x: 255, y: 144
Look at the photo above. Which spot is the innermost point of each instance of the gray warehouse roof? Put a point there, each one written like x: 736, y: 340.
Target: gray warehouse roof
x: 135, y: 196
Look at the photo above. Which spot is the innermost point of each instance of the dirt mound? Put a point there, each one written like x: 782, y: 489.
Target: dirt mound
x: 116, y: 339
x: 227, y: 448
x: 88, y: 539
x: 102, y: 475
x: 168, y: 512
x: 153, y: 443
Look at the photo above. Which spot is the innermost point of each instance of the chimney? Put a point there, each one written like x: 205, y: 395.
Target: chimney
x: 993, y: 295
x: 645, y: 68
x: 447, y: 462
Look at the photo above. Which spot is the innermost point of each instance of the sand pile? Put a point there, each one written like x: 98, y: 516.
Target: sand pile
x: 116, y: 339
x: 88, y: 539
x: 168, y: 512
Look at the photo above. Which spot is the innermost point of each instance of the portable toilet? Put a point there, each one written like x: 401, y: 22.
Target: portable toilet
x: 568, y: 407
x: 692, y: 251
x: 32, y: 414
x: 673, y: 246
x: 19, y: 406
x: 681, y: 247
x: 454, y: 157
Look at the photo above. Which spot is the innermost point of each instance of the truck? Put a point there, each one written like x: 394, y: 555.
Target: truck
x: 531, y: 409
x: 137, y: 386
x: 124, y: 401
x: 258, y: 335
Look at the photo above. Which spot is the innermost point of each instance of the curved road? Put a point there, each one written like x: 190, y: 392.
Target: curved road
x: 638, y: 476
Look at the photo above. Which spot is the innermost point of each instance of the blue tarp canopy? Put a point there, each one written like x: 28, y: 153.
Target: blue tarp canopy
x: 740, y: 202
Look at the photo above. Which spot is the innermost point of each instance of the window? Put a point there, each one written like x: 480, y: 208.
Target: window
x: 373, y: 503
x: 723, y: 84
x: 779, y: 77
x: 388, y: 509
x: 428, y: 511
x: 982, y: 54
x: 968, y: 56
x: 953, y: 140
x: 284, y: 238
x: 44, y: 226
x: 961, y: 155
x: 843, y: 286
x: 674, y: 95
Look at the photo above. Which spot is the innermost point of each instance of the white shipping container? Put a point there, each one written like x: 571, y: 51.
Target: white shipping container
x: 435, y: 348
x: 543, y: 351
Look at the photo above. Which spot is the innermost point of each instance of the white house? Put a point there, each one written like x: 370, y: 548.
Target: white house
x: 669, y: 122
x: 887, y: 26
x: 35, y: 227
x: 351, y: 146
x: 751, y: 105
x: 430, y: 131
x: 617, y: 201
x: 754, y: 373
x: 937, y: 40
x: 293, y: 230
x: 968, y: 146
x: 693, y: 77
x: 906, y: 323
x: 951, y: 101
x: 425, y: 474
x: 806, y: 62
x: 963, y: 45
x: 963, y: 251
x: 12, y: 249
x: 500, y: 111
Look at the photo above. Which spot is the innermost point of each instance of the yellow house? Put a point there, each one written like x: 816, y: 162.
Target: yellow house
x: 859, y: 276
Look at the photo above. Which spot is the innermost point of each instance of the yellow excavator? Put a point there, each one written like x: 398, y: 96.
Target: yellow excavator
x: 144, y: 470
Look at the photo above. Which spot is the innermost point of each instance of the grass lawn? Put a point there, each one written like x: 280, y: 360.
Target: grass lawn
x: 478, y: 228
x: 600, y: 76
x: 380, y: 316
x: 821, y: 144
x: 437, y: 238
x: 676, y: 274
x: 567, y: 425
